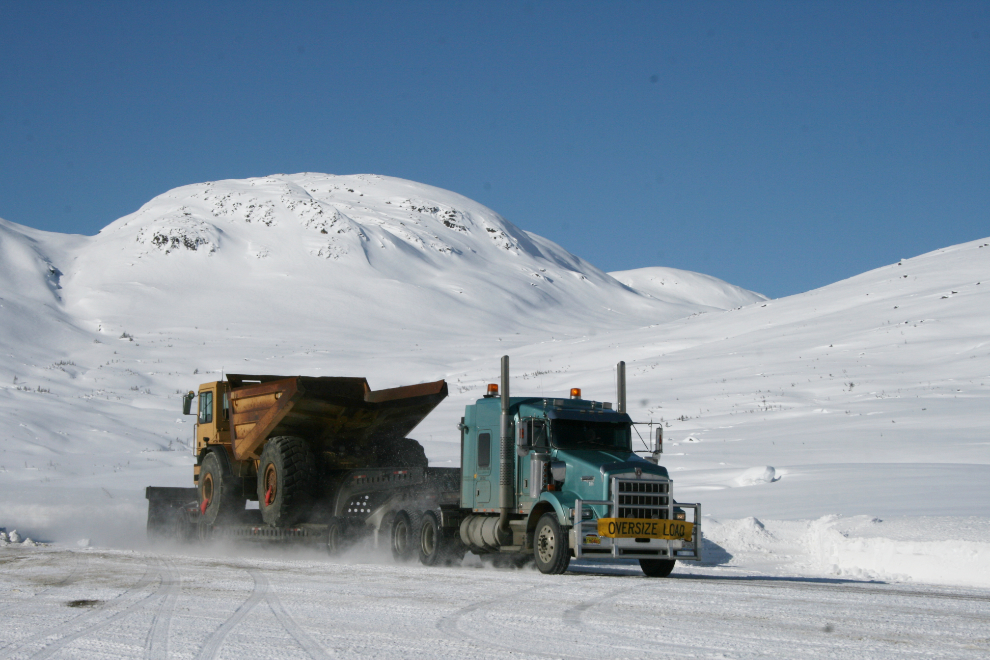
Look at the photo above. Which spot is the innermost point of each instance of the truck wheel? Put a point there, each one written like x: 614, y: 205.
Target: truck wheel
x: 434, y: 548
x: 657, y: 567
x: 550, y: 545
x: 286, y: 477
x: 221, y: 497
x: 403, y: 535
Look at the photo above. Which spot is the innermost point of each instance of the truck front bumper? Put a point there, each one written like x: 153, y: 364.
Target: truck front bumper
x: 586, y: 543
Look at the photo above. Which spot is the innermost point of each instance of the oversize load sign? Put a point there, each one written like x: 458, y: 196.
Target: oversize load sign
x: 644, y: 528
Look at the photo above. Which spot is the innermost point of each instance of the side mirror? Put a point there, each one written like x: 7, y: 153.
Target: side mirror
x: 658, y: 447
x: 187, y: 400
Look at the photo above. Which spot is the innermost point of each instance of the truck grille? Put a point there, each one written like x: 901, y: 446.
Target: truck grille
x: 643, y: 499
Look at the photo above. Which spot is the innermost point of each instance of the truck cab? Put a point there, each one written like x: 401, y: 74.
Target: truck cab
x: 573, y: 458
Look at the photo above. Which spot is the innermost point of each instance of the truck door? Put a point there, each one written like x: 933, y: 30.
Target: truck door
x: 483, y: 483
x: 206, y: 428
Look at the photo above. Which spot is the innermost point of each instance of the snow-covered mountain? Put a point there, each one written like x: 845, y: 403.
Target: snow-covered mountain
x: 347, y: 254
x: 685, y: 288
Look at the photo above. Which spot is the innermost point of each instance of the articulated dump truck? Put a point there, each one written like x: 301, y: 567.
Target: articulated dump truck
x: 329, y: 462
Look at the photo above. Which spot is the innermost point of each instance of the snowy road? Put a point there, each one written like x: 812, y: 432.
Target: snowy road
x: 60, y: 603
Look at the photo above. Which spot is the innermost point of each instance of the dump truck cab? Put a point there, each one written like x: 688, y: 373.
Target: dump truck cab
x: 212, y: 420
x: 212, y: 415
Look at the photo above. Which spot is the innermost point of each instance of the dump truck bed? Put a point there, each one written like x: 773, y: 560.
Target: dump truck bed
x: 343, y: 418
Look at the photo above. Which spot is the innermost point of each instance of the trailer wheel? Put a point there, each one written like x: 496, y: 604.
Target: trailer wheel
x: 335, y: 537
x: 657, y: 567
x: 550, y: 545
x: 221, y: 497
x: 286, y: 475
x: 403, y: 535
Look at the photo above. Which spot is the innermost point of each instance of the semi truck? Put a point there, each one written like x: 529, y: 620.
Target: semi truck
x: 329, y: 461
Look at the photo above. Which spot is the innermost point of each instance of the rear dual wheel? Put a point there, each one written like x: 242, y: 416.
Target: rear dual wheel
x: 435, y: 547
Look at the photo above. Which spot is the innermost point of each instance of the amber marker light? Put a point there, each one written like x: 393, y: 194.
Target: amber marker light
x: 492, y: 389
x: 575, y: 392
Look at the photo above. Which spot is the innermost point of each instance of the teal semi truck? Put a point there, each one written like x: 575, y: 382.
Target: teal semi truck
x: 328, y: 461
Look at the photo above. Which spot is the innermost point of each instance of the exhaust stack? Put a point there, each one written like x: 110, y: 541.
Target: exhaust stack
x: 620, y: 387
x: 506, y: 463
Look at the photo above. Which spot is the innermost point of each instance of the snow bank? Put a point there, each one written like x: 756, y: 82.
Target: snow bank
x: 855, y: 548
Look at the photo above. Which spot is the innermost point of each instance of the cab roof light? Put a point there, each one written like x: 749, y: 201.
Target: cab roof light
x: 492, y: 390
x: 575, y: 392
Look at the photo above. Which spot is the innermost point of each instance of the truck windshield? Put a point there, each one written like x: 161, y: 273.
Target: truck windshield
x: 571, y: 434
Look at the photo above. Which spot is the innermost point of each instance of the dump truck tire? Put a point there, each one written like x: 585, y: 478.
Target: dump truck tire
x: 550, y: 545
x: 405, y: 534
x: 221, y: 496
x: 286, y: 480
x: 657, y: 567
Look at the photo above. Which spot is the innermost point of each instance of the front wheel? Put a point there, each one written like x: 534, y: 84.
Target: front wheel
x: 657, y: 567
x: 550, y: 546
x: 221, y: 498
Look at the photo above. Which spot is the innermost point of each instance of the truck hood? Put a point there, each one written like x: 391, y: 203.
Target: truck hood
x: 589, y: 472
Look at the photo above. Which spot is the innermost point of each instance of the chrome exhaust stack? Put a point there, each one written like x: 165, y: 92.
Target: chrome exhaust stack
x: 506, y: 462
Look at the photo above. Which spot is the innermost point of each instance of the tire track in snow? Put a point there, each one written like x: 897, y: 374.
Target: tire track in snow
x: 315, y: 651
x: 212, y: 646
x: 450, y: 625
x: 70, y: 630
x: 572, y: 616
x: 157, y: 642
x: 78, y: 568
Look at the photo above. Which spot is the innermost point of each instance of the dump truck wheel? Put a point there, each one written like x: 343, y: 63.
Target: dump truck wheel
x: 657, y: 567
x: 286, y: 477
x: 221, y: 497
x: 550, y: 545
x: 404, y: 535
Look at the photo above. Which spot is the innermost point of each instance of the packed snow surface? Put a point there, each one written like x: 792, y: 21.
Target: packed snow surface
x: 100, y: 603
x: 836, y: 439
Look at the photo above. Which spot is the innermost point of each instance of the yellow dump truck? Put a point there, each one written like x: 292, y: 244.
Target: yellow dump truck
x: 287, y: 442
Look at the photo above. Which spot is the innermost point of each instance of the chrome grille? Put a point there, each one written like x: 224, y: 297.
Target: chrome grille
x: 643, y: 499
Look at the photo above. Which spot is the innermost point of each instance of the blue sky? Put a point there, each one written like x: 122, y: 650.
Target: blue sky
x: 779, y: 146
